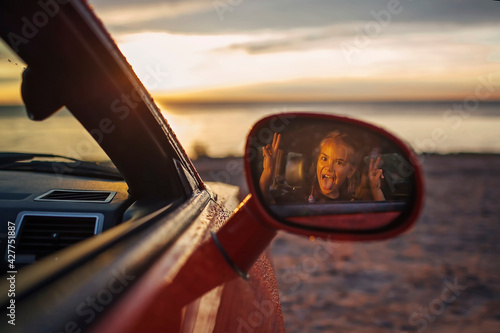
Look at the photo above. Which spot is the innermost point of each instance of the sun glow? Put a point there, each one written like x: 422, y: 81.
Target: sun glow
x: 403, y: 63
x: 228, y: 66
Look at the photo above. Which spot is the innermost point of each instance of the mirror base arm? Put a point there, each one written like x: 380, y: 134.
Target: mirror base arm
x: 244, y: 236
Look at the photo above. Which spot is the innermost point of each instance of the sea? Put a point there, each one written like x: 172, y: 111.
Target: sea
x: 220, y: 129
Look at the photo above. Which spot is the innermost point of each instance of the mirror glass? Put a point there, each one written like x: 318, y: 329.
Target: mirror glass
x: 329, y: 172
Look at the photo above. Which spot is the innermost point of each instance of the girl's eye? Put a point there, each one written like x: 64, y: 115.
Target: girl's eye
x: 340, y: 163
x: 323, y: 158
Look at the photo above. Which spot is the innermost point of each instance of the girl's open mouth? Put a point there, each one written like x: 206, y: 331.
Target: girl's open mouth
x: 326, y: 181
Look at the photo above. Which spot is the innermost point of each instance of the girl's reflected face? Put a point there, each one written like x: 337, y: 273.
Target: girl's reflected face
x: 334, y: 167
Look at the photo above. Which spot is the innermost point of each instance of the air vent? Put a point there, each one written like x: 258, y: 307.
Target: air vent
x: 43, y: 234
x: 77, y: 196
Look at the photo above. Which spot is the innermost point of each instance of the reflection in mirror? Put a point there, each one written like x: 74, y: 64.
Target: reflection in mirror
x: 325, y: 166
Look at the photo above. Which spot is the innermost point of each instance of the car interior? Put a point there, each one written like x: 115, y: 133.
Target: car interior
x: 52, y: 208
x: 296, y: 165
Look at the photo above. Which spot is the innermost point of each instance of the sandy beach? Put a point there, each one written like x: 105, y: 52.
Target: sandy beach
x: 443, y: 276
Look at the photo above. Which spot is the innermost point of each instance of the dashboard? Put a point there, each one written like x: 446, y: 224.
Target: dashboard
x: 53, y: 211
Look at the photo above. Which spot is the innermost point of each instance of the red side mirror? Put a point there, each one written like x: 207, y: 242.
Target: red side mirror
x: 324, y: 176
x: 332, y: 176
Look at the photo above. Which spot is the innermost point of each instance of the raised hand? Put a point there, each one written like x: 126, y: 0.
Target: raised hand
x: 269, y: 152
x: 375, y: 176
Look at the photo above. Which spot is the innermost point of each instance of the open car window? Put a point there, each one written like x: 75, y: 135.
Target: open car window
x: 60, y: 134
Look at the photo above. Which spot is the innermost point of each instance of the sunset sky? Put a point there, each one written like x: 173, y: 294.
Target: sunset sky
x: 251, y: 50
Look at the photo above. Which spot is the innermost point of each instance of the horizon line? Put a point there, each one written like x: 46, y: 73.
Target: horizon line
x: 197, y: 101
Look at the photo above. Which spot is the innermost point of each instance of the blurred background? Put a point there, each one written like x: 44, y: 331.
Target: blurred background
x: 428, y: 71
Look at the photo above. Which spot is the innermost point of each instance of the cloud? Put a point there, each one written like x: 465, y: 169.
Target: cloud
x: 394, y: 36
x: 319, y: 90
x: 294, y: 39
x: 202, y: 17
x: 12, y: 80
x: 402, y: 51
x: 130, y: 15
x: 263, y: 47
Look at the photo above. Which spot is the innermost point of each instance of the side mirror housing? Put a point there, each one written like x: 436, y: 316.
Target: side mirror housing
x: 331, y: 176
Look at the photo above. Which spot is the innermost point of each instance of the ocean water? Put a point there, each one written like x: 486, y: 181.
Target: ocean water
x: 221, y: 129
x: 444, y: 127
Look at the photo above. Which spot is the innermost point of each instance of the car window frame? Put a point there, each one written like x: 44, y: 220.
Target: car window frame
x: 92, y: 49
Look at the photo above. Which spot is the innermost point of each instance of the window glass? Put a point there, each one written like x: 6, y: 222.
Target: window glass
x: 60, y: 134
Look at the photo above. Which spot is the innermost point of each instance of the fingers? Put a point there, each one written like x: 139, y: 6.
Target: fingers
x: 374, y: 171
x: 375, y: 166
x: 372, y: 165
x: 266, y: 150
x: 276, y: 142
x: 271, y: 149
